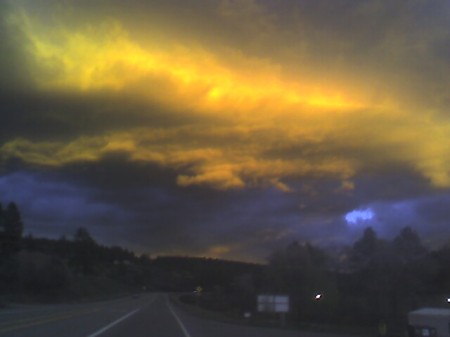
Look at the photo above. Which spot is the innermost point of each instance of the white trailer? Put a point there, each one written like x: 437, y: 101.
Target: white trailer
x: 429, y: 322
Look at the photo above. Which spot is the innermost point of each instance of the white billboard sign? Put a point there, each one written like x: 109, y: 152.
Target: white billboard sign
x: 273, y: 303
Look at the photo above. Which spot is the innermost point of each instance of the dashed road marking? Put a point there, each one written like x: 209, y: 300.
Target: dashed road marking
x: 110, y: 325
x: 180, y: 323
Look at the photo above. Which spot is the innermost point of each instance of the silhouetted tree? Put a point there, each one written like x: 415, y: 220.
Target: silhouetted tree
x: 85, y: 255
x: 11, y: 228
x: 441, y: 258
x: 82, y: 236
x: 372, y: 263
x: 2, y: 218
x: 410, y: 271
x: 366, y: 250
x: 300, y: 271
x: 408, y: 246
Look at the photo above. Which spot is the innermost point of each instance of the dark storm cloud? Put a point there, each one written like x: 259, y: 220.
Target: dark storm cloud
x: 11, y: 57
x: 55, y: 208
x: 47, y: 116
x: 434, y: 213
x: 427, y: 215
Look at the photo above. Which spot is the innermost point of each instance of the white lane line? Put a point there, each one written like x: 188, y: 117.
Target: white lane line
x: 180, y: 323
x: 110, y: 325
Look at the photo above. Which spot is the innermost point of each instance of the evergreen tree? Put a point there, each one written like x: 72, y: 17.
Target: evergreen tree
x: 11, y: 229
x: 3, y: 236
x: 82, y: 236
x: 85, y: 254
x: 411, y: 271
x: 14, y: 225
x: 372, y: 262
x: 300, y: 271
x: 366, y: 249
x: 408, y: 245
x: 2, y: 218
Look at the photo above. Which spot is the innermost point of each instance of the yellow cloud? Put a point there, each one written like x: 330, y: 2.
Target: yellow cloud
x: 260, y: 126
x: 203, y: 158
x: 197, y: 163
x: 104, y: 56
x: 434, y: 155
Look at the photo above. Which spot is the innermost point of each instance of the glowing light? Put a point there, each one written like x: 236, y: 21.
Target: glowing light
x: 358, y: 216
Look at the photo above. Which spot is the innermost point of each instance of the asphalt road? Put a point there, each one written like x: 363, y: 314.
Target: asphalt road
x: 150, y: 315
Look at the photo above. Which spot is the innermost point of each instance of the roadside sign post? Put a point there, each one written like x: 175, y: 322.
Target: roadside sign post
x: 283, y: 319
x: 198, y: 292
x: 275, y: 304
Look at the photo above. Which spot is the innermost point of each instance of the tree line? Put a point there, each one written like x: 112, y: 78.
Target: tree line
x: 41, y: 269
x: 77, y: 267
x: 372, y: 281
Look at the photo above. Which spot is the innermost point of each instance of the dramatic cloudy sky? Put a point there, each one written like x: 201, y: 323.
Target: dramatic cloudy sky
x: 226, y: 128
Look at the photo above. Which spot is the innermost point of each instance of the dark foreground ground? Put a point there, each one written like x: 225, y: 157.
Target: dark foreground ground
x: 138, y: 316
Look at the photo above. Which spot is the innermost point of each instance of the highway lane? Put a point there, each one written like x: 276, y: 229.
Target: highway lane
x: 76, y: 320
x: 150, y: 315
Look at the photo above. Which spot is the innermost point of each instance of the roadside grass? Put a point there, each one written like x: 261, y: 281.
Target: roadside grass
x: 79, y: 290
x: 271, y: 321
